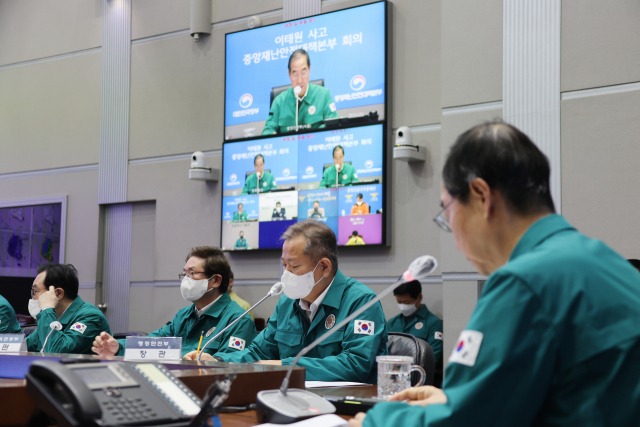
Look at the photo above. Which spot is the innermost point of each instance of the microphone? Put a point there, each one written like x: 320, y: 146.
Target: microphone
x: 55, y: 325
x: 338, y: 169
x: 287, y: 406
x: 276, y: 290
x: 258, y: 174
x: 296, y: 92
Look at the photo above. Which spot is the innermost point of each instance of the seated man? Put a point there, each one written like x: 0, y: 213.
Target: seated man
x: 260, y: 182
x: 355, y: 239
x: 317, y: 297
x: 240, y: 215
x: 360, y: 207
x: 279, y: 212
x: 205, y: 280
x: 55, y: 289
x: 241, y: 243
x: 316, y: 211
x: 234, y: 297
x: 8, y: 321
x: 343, y: 172
x: 416, y: 319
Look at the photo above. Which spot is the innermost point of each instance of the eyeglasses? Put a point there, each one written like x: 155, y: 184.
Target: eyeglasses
x: 190, y: 274
x: 442, y: 220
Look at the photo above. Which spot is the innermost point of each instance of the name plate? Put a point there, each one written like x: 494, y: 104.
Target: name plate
x: 12, y: 343
x: 153, y: 348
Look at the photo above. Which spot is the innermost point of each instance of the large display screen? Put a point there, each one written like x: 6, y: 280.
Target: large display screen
x: 334, y: 176
x: 345, y: 75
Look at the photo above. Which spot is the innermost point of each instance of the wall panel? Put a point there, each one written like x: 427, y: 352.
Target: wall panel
x: 153, y: 17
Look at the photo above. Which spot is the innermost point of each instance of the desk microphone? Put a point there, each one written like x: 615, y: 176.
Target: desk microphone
x: 275, y: 290
x: 296, y: 92
x: 258, y: 184
x: 286, y: 406
x: 338, y: 169
x: 55, y: 325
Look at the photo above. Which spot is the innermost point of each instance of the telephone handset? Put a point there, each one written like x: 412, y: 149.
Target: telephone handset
x: 109, y: 394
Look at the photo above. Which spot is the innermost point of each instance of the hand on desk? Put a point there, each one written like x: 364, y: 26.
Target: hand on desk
x: 206, y: 357
x: 105, y: 345
x: 357, y: 420
x: 269, y: 362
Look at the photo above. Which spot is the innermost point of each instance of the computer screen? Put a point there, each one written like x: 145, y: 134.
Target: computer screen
x: 342, y: 75
x: 334, y: 176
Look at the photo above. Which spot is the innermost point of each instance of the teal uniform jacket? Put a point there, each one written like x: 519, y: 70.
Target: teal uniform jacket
x: 348, y: 355
x: 241, y: 243
x: 560, y: 342
x: 347, y: 176
x: 316, y: 106
x: 81, y: 323
x: 424, y: 325
x: 187, y: 325
x: 239, y: 217
x: 267, y: 183
x: 8, y: 321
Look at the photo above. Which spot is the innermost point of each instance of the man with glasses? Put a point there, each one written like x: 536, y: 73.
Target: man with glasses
x: 314, y: 103
x: 204, y: 282
x: 55, y: 297
x: 554, y: 338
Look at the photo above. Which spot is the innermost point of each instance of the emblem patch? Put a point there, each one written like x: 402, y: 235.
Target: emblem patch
x: 312, y: 109
x: 332, y: 107
x: 264, y: 184
x: 330, y: 322
x: 363, y: 327
x: 210, y: 331
x: 466, y: 350
x: 438, y: 336
x: 79, y: 327
x: 419, y: 325
x: 237, y: 343
x: 344, y: 176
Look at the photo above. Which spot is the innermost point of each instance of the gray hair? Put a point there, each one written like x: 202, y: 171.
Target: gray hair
x: 321, y: 241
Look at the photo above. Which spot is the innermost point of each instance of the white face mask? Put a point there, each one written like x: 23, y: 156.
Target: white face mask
x: 359, y: 202
x: 407, y: 309
x: 193, y: 290
x: 34, y: 307
x: 296, y: 287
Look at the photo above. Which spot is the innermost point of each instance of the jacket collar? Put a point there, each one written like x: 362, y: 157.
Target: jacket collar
x: 71, y: 310
x: 218, y: 307
x: 334, y: 296
x: 538, y: 232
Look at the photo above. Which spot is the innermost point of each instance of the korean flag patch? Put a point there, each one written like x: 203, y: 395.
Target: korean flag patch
x: 467, y: 347
x: 78, y: 327
x: 438, y: 336
x: 237, y: 343
x: 363, y: 327
x: 332, y: 107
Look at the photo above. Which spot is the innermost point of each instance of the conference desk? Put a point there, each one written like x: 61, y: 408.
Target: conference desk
x: 16, y: 406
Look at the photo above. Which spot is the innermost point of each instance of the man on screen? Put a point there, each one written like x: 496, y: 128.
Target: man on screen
x: 316, y: 211
x: 315, y: 103
x: 360, y: 207
x: 355, y: 239
x: 240, y: 215
x: 279, y: 212
x: 261, y: 181
x: 241, y: 243
x: 343, y: 172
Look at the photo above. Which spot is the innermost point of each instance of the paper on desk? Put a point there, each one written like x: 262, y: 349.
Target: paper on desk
x: 330, y: 420
x: 317, y: 384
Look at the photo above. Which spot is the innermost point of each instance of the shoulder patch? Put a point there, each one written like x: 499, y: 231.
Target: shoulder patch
x: 237, y: 343
x: 466, y: 350
x: 332, y: 107
x: 438, y: 336
x: 363, y: 327
x: 78, y: 327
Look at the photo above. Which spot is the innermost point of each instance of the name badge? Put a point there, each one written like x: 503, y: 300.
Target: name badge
x: 153, y: 348
x: 12, y: 343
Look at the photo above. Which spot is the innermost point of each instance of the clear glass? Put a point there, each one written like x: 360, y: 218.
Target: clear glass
x: 394, y: 375
x: 442, y: 220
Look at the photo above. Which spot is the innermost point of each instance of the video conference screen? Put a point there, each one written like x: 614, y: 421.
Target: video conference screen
x: 333, y: 176
x: 342, y: 74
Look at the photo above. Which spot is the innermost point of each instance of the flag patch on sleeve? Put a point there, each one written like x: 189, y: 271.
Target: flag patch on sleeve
x: 467, y: 347
x: 363, y: 327
x: 237, y: 343
x: 79, y: 327
x: 332, y: 107
x: 438, y: 336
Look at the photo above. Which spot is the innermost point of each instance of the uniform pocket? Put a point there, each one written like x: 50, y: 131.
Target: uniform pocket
x: 288, y: 338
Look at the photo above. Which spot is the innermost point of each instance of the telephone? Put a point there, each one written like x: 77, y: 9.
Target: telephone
x: 110, y: 394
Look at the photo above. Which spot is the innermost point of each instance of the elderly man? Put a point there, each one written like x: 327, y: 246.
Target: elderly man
x: 339, y: 172
x: 554, y: 338
x: 317, y: 296
x: 204, y: 282
x: 55, y: 298
x: 261, y: 181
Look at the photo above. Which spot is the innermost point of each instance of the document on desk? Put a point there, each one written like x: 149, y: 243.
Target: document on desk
x: 329, y: 420
x: 318, y: 384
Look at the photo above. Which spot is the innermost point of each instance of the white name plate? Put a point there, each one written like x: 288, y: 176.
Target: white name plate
x: 12, y: 343
x: 153, y: 348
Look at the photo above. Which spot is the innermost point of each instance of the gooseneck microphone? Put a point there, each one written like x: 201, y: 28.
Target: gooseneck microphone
x: 55, y: 326
x: 338, y: 169
x: 258, y: 174
x: 285, y: 406
x: 296, y: 92
x: 274, y: 291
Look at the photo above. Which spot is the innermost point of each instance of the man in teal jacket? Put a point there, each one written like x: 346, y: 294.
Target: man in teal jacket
x: 317, y: 297
x: 554, y: 338
x: 56, y: 290
x: 240, y: 215
x: 261, y: 181
x: 8, y: 321
x: 205, y: 280
x: 241, y: 243
x: 416, y: 319
x: 343, y: 172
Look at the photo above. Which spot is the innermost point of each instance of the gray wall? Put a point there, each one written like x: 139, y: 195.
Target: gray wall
x: 447, y: 68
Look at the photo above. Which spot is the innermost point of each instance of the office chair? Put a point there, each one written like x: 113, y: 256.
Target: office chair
x: 399, y: 344
x: 246, y: 175
x: 279, y: 89
x: 326, y: 165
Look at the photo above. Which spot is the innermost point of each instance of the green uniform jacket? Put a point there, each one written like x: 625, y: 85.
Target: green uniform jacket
x: 560, y: 344
x: 345, y: 356
x: 186, y: 324
x: 346, y: 176
x: 8, y: 321
x: 241, y: 243
x: 240, y: 217
x: 81, y: 323
x: 267, y: 183
x: 316, y: 106
x: 424, y: 325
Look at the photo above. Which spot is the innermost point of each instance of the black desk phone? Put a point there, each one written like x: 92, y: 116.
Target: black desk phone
x: 111, y: 394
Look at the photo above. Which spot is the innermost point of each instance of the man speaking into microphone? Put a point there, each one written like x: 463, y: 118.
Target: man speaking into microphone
x: 317, y: 297
x: 339, y: 173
